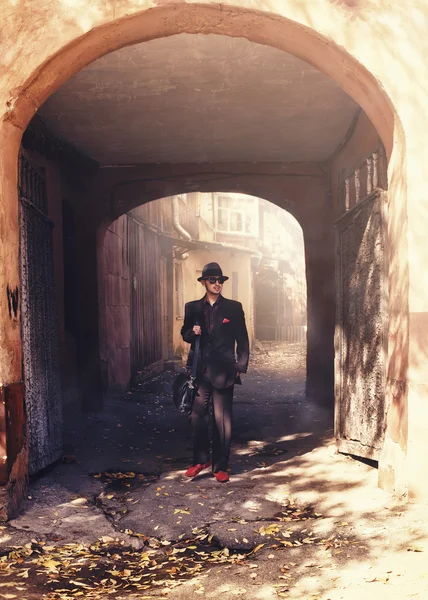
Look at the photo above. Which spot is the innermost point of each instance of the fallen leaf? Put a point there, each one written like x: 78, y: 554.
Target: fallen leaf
x: 50, y: 564
x: 23, y: 574
x: 269, y: 530
x: 81, y: 584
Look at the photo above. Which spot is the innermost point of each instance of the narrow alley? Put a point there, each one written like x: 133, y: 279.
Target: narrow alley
x: 118, y: 519
x: 149, y: 148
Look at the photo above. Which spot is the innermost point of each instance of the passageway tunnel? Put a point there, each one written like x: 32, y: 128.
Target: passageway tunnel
x: 151, y: 260
x: 204, y: 113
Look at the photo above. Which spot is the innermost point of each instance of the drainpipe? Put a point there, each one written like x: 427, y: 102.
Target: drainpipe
x: 176, y: 221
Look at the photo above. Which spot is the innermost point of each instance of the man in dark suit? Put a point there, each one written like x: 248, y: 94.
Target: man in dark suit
x: 224, y: 354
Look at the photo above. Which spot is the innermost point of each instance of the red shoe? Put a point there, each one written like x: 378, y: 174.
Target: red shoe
x: 221, y: 476
x: 196, y: 469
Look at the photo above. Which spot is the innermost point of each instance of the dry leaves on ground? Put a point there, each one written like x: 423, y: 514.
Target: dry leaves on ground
x: 107, y: 567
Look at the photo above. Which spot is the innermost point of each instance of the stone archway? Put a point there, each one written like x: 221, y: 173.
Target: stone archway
x: 271, y: 29
x: 134, y: 25
x: 128, y: 190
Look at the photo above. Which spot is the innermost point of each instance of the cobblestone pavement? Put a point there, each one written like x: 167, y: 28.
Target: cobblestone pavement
x: 117, y: 519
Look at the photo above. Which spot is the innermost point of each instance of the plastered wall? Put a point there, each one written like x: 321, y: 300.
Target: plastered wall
x: 117, y: 305
x: 375, y: 49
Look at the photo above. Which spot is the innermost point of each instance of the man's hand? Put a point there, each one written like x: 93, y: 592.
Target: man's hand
x: 197, y: 330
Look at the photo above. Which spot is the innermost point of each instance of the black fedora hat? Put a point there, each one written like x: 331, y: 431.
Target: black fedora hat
x: 212, y: 269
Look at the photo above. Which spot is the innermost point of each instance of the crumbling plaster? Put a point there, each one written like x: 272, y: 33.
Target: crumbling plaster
x: 374, y: 49
x: 180, y: 99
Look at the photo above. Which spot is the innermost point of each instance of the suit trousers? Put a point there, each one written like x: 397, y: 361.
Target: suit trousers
x: 221, y: 425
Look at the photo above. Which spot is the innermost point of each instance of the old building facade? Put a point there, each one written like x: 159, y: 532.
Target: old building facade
x: 153, y: 255
x: 356, y: 158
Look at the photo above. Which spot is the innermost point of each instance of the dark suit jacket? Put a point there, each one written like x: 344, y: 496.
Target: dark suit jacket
x: 225, y: 351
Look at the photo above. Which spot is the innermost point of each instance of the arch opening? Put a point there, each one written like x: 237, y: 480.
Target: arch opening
x: 316, y: 193
x: 157, y: 251
x: 152, y: 257
x: 281, y: 33
x: 327, y: 145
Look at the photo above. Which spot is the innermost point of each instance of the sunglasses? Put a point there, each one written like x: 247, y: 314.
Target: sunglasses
x: 211, y: 280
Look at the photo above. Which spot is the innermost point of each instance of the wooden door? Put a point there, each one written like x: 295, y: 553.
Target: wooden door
x: 164, y: 305
x: 360, y: 340
x: 146, y: 318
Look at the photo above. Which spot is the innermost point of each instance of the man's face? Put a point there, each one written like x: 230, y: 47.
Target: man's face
x: 213, y: 288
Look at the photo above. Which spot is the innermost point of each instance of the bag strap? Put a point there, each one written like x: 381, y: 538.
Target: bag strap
x: 196, y: 354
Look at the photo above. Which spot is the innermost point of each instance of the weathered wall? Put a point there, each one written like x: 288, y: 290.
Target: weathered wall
x: 117, y: 305
x: 54, y: 211
x: 277, y: 26
x: 156, y: 214
x: 360, y: 408
x: 362, y: 141
x: 351, y: 42
x: 68, y: 174
x: 134, y: 329
x: 148, y: 281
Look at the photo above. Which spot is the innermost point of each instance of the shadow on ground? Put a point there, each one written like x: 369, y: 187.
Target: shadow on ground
x: 119, y: 519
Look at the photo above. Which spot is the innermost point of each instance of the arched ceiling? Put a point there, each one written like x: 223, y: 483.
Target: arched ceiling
x: 200, y: 98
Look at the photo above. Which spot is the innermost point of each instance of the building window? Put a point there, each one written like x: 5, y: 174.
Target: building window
x: 179, y: 299
x: 237, y: 214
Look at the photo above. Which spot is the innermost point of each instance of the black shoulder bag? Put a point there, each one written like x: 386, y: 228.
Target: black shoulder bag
x: 184, y: 388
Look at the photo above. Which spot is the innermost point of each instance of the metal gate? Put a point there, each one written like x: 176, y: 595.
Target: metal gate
x: 39, y: 320
x: 360, y: 340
